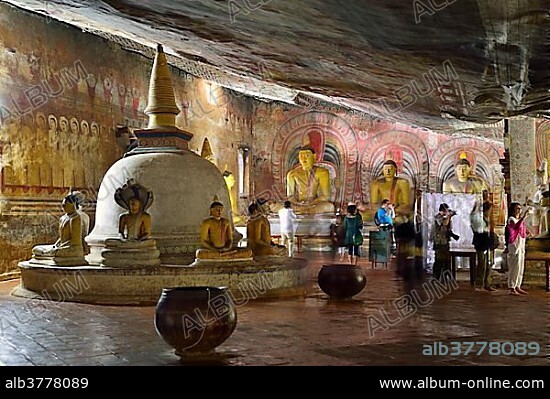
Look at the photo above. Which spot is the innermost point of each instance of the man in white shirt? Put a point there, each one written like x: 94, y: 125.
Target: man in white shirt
x: 287, y: 218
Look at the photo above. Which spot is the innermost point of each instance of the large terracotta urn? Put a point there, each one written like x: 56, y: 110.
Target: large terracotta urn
x: 195, y: 320
x: 341, y: 281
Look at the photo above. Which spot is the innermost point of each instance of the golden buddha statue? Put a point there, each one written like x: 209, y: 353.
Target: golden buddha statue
x: 217, y: 238
x: 68, y: 249
x: 395, y: 189
x: 230, y: 182
x: 464, y: 182
x: 308, y: 187
x: 258, y: 233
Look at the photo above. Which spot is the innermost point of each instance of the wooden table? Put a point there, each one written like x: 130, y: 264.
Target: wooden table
x: 464, y: 253
x: 543, y: 257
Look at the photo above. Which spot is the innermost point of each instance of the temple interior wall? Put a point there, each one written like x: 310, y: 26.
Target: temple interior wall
x: 63, y: 93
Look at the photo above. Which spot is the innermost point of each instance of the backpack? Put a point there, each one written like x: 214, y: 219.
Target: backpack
x: 376, y: 219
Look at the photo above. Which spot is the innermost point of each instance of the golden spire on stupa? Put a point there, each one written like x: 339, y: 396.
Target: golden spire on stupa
x: 206, y: 151
x: 162, y: 109
x: 161, y: 104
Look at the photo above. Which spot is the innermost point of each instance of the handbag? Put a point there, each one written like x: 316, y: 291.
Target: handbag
x: 358, y: 239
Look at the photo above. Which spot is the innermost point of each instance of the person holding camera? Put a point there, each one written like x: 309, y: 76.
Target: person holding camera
x: 441, y: 234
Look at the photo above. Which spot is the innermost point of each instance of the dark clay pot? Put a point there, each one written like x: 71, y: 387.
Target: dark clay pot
x: 195, y: 320
x: 341, y: 281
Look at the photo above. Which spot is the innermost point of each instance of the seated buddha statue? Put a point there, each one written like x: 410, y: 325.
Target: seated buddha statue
x: 136, y: 223
x: 464, y: 182
x: 258, y: 233
x: 134, y: 247
x: 308, y: 186
x: 393, y: 188
x: 68, y: 249
x: 217, y: 238
x: 134, y: 226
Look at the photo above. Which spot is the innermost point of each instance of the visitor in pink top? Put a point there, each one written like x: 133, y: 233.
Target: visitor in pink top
x: 516, y: 234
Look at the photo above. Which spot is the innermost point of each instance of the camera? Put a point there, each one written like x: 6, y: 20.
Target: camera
x: 452, y: 212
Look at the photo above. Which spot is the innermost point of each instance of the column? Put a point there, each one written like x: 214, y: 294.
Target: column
x: 522, y: 158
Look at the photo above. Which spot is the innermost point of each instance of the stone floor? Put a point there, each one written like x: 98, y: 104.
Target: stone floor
x: 372, y: 329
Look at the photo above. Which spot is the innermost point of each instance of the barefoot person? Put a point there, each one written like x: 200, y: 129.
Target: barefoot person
x: 517, y: 233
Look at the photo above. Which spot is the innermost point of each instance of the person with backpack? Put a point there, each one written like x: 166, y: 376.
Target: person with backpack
x: 383, y: 218
x: 353, y: 225
x: 338, y: 236
x: 516, y: 233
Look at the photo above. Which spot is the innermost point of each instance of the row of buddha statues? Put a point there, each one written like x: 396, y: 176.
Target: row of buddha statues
x: 308, y: 186
x: 135, y: 242
x: 308, y: 190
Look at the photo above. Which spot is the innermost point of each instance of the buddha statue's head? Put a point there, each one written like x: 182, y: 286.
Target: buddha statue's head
x: 306, y: 157
x: 134, y: 205
x: 463, y: 170
x: 70, y: 204
x: 229, y: 179
x: 389, y: 169
x: 216, y: 210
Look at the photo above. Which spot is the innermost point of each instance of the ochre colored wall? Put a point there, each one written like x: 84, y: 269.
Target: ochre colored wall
x: 50, y: 70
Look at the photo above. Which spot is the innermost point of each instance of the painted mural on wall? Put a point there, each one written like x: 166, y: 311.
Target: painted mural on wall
x: 59, y: 106
x: 63, y: 93
x: 425, y: 159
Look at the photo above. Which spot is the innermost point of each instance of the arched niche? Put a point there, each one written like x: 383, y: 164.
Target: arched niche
x: 335, y: 145
x: 406, y: 149
x: 483, y: 157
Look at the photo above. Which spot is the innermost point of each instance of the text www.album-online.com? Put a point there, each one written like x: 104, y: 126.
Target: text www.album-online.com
x: 489, y: 383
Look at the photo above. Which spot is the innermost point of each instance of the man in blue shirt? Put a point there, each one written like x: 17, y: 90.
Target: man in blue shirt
x: 384, y: 220
x: 384, y: 215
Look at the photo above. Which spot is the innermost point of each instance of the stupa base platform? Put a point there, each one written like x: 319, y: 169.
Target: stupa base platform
x: 269, y: 277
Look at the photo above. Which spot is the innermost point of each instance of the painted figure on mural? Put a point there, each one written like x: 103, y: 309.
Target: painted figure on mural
x: 308, y: 186
x: 53, y: 133
x: 68, y: 248
x: 464, y: 182
x: 217, y: 237
x: 29, y: 158
x: 45, y: 170
x: 258, y: 232
x: 395, y: 189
